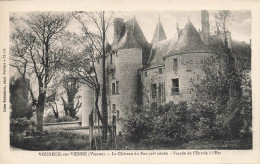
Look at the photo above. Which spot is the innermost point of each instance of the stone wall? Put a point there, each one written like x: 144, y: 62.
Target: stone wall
x: 188, y: 69
x: 125, y: 63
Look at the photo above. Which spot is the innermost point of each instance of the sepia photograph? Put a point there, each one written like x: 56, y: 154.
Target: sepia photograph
x: 130, y: 80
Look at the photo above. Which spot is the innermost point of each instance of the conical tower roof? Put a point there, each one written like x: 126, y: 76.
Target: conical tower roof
x: 159, y: 33
x: 132, y: 37
x: 189, y: 41
x: 108, y: 46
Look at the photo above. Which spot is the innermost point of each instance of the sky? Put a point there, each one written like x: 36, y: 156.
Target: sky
x: 239, y: 24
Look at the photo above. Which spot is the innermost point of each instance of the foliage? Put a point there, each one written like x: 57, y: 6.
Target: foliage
x: 21, y: 127
x: 159, y: 124
x: 137, y: 124
x: 66, y: 119
x: 19, y: 98
x: 219, y: 103
x: 170, y: 121
x: 50, y: 118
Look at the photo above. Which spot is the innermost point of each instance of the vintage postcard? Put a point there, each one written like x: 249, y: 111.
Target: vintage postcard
x: 129, y: 82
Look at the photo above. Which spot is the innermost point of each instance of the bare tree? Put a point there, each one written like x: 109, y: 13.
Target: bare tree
x: 101, y: 22
x: 36, y: 38
x: 79, y: 62
x: 221, y: 18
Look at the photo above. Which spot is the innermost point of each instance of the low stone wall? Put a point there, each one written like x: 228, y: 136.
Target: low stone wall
x: 62, y: 125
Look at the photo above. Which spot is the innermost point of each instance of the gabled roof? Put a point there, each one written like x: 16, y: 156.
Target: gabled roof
x: 189, y: 41
x: 159, y: 33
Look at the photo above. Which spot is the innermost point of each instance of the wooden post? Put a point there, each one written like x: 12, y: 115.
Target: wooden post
x: 114, y: 131
x: 91, y: 130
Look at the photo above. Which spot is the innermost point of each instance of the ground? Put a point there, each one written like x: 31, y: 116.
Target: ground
x: 69, y: 138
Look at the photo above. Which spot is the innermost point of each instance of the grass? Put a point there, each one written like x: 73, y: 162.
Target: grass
x: 62, y: 140
x: 195, y: 144
x: 53, y: 141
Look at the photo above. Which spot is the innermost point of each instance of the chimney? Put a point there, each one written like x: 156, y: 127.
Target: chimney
x: 178, y: 30
x: 205, y: 24
x: 118, y: 28
x: 229, y: 39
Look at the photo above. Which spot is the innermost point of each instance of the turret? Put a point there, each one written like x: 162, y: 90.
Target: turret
x: 159, y: 33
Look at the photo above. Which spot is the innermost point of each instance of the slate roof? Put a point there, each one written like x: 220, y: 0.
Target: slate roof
x: 133, y: 37
x: 160, y: 49
x: 108, y: 46
x: 159, y: 33
x: 188, y: 42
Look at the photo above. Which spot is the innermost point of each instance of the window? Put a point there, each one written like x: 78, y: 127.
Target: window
x: 161, y: 92
x: 145, y: 73
x: 117, y: 86
x: 175, y: 86
x: 117, y: 115
x: 175, y: 64
x: 153, y: 88
x: 113, y: 108
x: 111, y: 59
x: 113, y: 88
x: 113, y: 72
x: 160, y: 70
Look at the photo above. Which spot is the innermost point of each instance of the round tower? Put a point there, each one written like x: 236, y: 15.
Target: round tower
x: 88, y: 98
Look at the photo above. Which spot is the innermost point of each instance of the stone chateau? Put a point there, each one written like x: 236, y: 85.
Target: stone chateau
x: 139, y: 72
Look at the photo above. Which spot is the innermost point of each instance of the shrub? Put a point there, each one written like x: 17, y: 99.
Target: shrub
x: 65, y: 119
x: 50, y: 118
x: 170, y: 122
x: 19, y: 98
x: 136, y: 124
x: 22, y: 127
